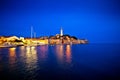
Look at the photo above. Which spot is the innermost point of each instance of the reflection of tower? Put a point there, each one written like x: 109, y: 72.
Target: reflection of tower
x: 61, y: 32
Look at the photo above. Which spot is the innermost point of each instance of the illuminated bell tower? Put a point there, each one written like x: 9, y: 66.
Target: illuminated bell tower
x: 61, y: 32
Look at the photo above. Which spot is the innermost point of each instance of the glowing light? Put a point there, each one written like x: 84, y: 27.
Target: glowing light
x: 22, y: 51
x: 12, y: 52
x: 60, y: 52
x: 28, y: 55
x: 61, y: 31
x: 68, y: 53
x: 31, y: 58
x: 28, y: 49
x: 12, y: 57
x: 22, y: 47
x: 34, y: 51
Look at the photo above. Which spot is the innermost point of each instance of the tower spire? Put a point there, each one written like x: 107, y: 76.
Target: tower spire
x: 61, y: 32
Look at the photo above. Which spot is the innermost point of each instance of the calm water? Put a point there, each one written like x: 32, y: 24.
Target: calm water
x: 61, y: 62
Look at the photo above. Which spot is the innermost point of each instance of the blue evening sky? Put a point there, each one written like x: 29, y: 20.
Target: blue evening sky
x: 95, y: 20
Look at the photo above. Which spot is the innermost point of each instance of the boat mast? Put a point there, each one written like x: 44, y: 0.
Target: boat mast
x: 31, y: 31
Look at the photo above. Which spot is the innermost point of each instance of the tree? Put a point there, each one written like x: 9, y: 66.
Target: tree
x: 73, y: 37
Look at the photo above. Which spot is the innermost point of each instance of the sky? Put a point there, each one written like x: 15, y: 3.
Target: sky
x: 98, y: 21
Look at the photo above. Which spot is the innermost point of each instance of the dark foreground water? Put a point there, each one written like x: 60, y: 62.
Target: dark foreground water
x: 61, y: 62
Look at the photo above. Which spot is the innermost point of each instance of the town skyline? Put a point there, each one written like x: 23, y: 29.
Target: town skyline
x: 57, y: 39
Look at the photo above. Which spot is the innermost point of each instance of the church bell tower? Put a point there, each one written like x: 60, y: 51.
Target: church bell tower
x: 61, y: 32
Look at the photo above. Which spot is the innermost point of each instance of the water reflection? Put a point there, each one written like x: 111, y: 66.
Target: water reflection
x: 12, y: 52
x: 60, y: 52
x: 68, y: 53
x: 1, y: 58
x: 22, y: 51
x: 31, y: 58
x: 43, y: 52
x: 63, y: 53
x: 0, y: 50
x: 12, y: 57
x: 61, y: 62
x: 34, y: 53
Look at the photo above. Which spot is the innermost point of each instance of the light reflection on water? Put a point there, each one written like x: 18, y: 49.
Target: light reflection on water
x: 37, y: 62
x: 42, y: 52
x: 31, y: 58
x: 68, y: 54
x: 12, y: 58
x: 60, y: 52
x: 22, y: 51
x: 63, y: 53
x: 12, y: 52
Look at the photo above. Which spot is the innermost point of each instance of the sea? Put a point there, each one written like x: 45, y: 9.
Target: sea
x: 61, y: 62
